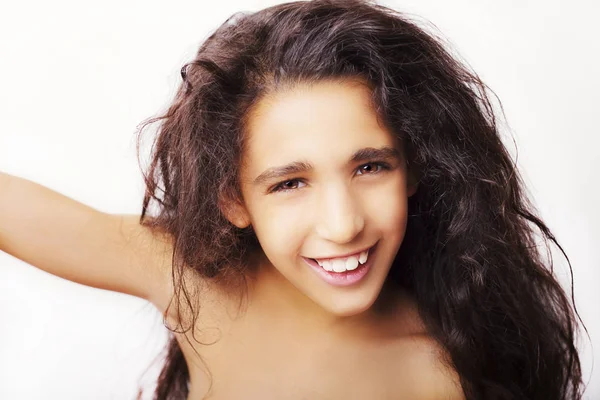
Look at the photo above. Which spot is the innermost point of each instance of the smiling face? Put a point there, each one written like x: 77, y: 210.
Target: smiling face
x: 322, y: 179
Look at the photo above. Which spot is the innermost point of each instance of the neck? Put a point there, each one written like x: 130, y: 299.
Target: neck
x: 269, y: 290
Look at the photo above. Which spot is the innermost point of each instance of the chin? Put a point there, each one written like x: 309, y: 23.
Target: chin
x: 348, y: 306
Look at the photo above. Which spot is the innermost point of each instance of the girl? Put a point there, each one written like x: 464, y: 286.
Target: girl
x: 335, y: 217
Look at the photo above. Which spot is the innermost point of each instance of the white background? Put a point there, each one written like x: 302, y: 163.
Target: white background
x: 77, y: 77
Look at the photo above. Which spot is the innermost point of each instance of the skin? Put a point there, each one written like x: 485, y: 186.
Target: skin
x: 335, y: 207
x: 296, y: 336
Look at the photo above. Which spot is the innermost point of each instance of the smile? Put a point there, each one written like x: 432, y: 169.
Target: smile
x: 343, y: 271
x: 342, y: 264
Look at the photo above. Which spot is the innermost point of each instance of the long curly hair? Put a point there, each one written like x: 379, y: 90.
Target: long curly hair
x: 470, y: 256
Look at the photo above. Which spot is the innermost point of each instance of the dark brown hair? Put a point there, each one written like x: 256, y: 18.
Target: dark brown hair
x: 469, y: 257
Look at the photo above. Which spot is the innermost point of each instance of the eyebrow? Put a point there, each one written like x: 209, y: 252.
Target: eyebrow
x: 298, y: 167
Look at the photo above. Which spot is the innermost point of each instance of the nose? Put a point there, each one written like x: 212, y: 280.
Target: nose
x: 340, y: 219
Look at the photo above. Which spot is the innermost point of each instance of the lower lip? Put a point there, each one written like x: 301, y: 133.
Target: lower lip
x: 346, y: 278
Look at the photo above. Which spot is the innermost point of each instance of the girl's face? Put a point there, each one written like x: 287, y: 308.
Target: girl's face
x: 323, y: 182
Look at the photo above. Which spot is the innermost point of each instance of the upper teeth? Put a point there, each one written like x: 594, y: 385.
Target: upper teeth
x: 344, y: 263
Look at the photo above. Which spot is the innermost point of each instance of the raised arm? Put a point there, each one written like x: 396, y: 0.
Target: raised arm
x: 71, y: 240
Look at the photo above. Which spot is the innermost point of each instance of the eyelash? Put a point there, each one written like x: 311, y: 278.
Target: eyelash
x: 280, y: 186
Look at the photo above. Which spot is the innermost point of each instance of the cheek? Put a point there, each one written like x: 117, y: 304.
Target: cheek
x: 279, y: 228
x: 388, y: 206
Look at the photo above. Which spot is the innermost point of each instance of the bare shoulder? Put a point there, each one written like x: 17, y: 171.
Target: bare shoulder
x: 160, y: 278
x: 432, y: 372
x: 150, y: 254
x: 74, y: 241
x: 427, y: 364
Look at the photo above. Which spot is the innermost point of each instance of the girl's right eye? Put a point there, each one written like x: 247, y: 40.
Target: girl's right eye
x: 286, y: 186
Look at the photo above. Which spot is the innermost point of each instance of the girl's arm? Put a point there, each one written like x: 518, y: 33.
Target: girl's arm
x: 71, y: 240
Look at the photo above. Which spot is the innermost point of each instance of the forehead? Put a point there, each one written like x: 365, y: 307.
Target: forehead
x: 326, y: 119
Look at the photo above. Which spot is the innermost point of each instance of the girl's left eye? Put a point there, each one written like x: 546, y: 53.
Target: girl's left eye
x: 372, y: 168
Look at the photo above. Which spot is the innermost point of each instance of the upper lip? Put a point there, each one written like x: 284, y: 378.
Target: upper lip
x: 344, y: 255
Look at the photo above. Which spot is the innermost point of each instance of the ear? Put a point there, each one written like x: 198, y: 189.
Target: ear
x: 235, y: 211
x: 412, y: 181
x: 412, y: 189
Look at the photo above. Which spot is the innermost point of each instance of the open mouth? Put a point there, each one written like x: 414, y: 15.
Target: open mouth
x: 343, y: 271
x: 344, y: 264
